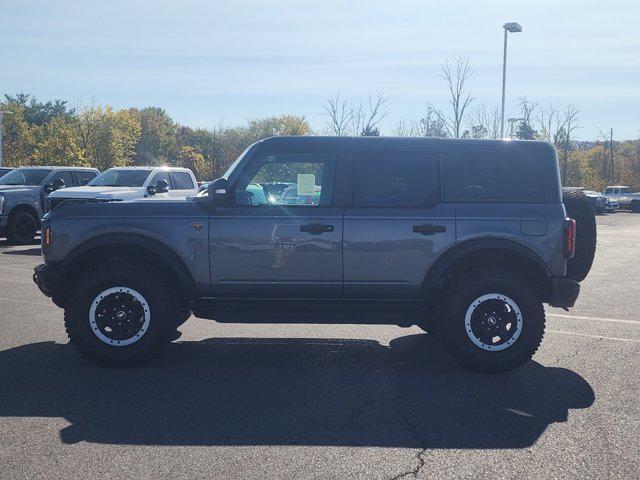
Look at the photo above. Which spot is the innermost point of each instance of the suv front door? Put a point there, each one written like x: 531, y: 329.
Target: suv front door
x: 397, y: 226
x: 279, y: 244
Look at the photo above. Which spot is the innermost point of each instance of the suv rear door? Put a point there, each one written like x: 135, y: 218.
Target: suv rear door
x: 288, y: 245
x: 396, y: 227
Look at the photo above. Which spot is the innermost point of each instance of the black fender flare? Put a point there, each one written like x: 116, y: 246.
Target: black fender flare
x: 457, y: 251
x: 135, y: 240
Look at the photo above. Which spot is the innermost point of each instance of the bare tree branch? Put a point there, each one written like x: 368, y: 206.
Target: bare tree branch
x: 459, y: 99
x: 339, y: 116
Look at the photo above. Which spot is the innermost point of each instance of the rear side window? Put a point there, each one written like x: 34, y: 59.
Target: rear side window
x: 182, y: 181
x: 85, y: 176
x: 625, y: 190
x: 396, y: 180
x: 500, y: 176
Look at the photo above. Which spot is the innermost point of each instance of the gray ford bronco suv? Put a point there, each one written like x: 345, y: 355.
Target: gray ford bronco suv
x: 23, y: 193
x: 464, y: 238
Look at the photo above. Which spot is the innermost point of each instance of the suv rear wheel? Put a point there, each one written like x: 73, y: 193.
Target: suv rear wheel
x: 490, y: 320
x: 21, y: 228
x: 122, y: 313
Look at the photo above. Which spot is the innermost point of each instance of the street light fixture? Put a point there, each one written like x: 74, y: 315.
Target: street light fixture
x: 512, y: 27
x: 2, y: 112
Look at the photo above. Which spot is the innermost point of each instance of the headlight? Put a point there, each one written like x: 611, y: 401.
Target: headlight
x: 1, y: 203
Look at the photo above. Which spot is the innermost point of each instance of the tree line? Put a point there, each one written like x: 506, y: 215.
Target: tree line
x: 52, y: 133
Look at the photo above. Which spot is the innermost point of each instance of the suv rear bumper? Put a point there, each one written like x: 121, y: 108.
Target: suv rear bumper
x: 564, y: 292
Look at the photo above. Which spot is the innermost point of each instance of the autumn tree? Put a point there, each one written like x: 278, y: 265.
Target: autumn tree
x: 57, y: 145
x: 108, y: 137
x: 157, y: 136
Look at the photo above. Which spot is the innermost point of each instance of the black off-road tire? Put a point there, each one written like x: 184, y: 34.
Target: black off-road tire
x: 458, y: 296
x: 579, y: 208
x: 157, y: 290
x: 21, y: 228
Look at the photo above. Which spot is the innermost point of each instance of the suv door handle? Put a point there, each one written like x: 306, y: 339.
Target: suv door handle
x: 429, y: 229
x: 316, y: 228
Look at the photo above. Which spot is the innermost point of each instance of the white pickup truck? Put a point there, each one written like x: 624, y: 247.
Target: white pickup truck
x: 624, y: 196
x: 131, y: 183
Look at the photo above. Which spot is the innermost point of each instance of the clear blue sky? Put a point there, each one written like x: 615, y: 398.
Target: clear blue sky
x: 207, y: 61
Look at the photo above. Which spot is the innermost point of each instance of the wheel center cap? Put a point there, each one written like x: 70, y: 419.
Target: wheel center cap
x: 121, y: 315
x: 491, y: 321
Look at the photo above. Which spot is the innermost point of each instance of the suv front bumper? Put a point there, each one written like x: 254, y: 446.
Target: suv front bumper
x: 564, y: 292
x: 49, y: 280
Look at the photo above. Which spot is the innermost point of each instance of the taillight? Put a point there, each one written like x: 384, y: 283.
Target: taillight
x: 569, y: 249
x: 46, y: 237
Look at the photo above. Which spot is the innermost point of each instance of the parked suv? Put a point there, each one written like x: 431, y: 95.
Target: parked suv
x: 132, y: 183
x: 465, y: 238
x: 624, y: 196
x: 22, y: 197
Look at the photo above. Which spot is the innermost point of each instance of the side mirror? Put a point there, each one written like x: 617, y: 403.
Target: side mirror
x: 48, y: 188
x: 151, y: 190
x: 84, y: 181
x: 58, y: 183
x: 162, y: 186
x: 218, y: 191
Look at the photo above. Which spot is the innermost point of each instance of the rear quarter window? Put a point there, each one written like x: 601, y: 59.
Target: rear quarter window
x: 182, y: 181
x: 500, y: 176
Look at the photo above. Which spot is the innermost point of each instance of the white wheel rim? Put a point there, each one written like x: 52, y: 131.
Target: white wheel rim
x: 477, y: 341
x: 135, y: 336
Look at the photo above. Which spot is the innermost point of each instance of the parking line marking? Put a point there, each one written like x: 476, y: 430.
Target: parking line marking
x: 600, y: 319
x: 631, y: 340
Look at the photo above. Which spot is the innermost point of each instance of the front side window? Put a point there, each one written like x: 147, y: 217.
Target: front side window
x: 63, y: 175
x: 85, y: 176
x: 396, y: 180
x: 25, y: 176
x: 287, y: 179
x: 120, y: 178
x: 625, y: 190
x: 160, y: 176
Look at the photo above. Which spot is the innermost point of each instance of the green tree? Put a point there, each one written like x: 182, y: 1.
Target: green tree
x: 189, y: 157
x: 108, y: 137
x: 157, y: 136
x: 18, y: 137
x: 58, y: 144
x: 39, y: 113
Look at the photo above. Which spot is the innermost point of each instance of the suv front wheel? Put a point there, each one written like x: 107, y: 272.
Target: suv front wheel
x: 490, y: 320
x: 122, y: 313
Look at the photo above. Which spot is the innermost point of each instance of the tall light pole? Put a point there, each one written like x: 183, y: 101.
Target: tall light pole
x: 512, y: 27
x: 2, y: 112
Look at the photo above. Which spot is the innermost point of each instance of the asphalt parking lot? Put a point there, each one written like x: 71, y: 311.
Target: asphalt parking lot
x: 370, y: 402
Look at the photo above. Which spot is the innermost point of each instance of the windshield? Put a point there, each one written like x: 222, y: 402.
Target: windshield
x: 120, y: 178
x: 25, y: 176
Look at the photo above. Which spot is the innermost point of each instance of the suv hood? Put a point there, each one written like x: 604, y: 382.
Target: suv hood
x: 121, y: 193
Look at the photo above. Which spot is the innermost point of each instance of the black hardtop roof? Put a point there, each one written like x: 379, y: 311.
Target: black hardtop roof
x: 400, y: 143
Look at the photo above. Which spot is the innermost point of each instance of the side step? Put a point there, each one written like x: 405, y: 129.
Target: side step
x: 401, y: 313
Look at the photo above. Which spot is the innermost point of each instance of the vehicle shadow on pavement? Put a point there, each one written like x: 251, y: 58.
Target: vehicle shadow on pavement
x: 290, y: 391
